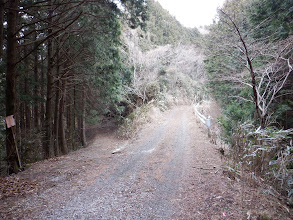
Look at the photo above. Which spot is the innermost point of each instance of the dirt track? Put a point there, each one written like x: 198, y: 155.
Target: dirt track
x: 169, y: 171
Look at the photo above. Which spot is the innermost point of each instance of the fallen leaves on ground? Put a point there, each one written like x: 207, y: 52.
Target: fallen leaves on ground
x: 14, y: 186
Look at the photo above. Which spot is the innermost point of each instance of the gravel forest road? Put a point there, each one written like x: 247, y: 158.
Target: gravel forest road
x: 169, y: 171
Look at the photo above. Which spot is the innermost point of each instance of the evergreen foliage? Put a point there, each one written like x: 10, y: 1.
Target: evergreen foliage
x: 273, y: 18
x: 63, y: 65
x: 250, y: 50
x: 162, y: 28
x: 229, y: 79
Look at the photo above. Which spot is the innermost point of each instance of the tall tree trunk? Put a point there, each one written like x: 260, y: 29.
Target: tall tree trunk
x: 75, y: 121
x: 82, y: 120
x: 69, y: 119
x: 56, y: 132
x: 48, y: 142
x: 21, y: 120
x: 63, y: 142
x: 26, y: 91
x: 27, y: 106
x: 1, y: 27
x: 12, y: 16
x: 36, y: 88
x: 56, y: 120
x: 42, y: 94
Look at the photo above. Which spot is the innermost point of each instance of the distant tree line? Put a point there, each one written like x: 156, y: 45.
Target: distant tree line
x: 163, y: 28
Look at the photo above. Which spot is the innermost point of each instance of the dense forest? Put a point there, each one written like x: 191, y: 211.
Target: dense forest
x: 68, y: 65
x: 60, y: 66
x: 249, y: 57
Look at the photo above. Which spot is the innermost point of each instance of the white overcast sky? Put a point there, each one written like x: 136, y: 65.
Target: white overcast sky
x: 192, y: 13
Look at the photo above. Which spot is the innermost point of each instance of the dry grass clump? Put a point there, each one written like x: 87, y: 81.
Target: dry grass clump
x: 135, y: 120
x: 267, y: 155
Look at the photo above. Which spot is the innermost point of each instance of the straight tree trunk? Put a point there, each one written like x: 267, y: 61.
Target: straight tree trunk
x: 21, y: 120
x: 36, y: 88
x: 48, y: 142
x: 69, y: 121
x: 42, y: 95
x: 57, y: 103
x: 71, y: 118
x: 11, y: 76
x: 27, y: 106
x: 82, y: 120
x: 63, y: 142
x: 26, y: 92
x: 75, y: 121
x: 1, y: 26
x: 56, y: 120
x: 49, y: 116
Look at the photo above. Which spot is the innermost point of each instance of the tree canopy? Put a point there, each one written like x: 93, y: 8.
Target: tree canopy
x: 60, y: 58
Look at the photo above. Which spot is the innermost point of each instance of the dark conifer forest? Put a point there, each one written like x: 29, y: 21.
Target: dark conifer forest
x: 58, y: 60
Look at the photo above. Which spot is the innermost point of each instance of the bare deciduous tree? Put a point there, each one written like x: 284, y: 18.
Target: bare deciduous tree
x: 268, y: 79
